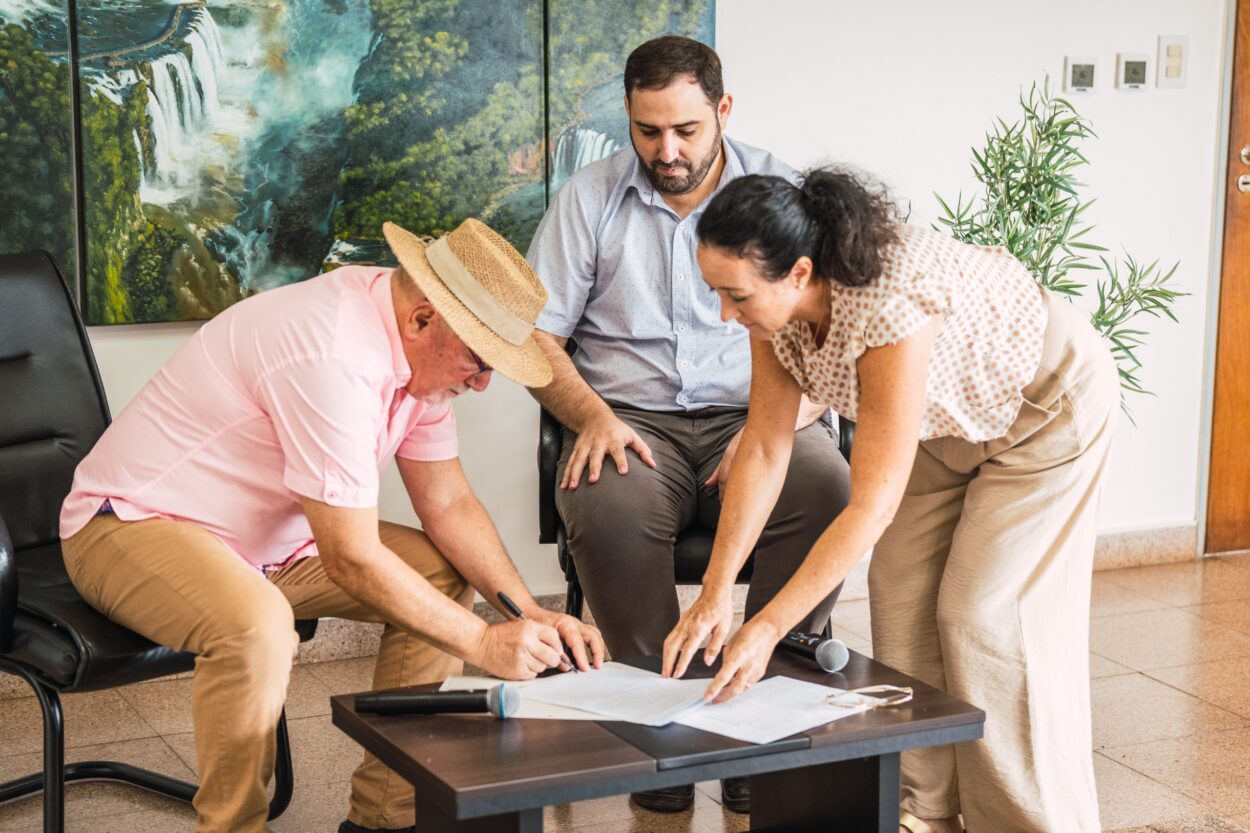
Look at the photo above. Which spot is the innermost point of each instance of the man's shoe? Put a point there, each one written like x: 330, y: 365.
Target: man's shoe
x: 348, y: 827
x: 667, y: 800
x: 735, y: 794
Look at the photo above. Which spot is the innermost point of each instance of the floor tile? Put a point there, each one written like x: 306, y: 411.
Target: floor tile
x: 166, y: 705
x: 1128, y: 799
x: 1211, y: 768
x: 1225, y: 683
x: 320, y: 753
x: 314, y: 807
x: 1103, y: 667
x: 853, y: 616
x: 1233, y: 614
x: 93, y: 799
x: 1188, y: 583
x: 619, y: 815
x: 176, y: 818
x: 1164, y: 638
x: 1110, y: 598
x: 90, y: 718
x: 1133, y: 708
x: 345, y: 676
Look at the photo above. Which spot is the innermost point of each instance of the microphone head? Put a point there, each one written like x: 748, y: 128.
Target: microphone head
x: 832, y: 655
x: 503, y: 700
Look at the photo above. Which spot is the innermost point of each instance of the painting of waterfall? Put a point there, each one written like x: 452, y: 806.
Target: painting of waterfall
x: 36, y: 185
x: 230, y: 146
x: 589, y: 42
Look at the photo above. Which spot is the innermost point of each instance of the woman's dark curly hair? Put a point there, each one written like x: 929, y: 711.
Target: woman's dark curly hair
x: 846, y: 224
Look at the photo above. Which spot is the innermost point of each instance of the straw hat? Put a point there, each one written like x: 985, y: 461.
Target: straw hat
x: 486, y: 292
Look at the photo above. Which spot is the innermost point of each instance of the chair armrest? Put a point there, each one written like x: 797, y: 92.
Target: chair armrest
x: 846, y: 434
x: 550, y: 436
x: 8, y: 588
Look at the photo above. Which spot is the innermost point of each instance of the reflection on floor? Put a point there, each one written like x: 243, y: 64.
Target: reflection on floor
x: 1171, y: 690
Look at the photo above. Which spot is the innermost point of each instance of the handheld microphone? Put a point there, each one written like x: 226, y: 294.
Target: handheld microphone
x: 501, y: 701
x: 830, y: 654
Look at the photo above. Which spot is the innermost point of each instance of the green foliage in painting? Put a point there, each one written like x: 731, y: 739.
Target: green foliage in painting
x: 35, y: 184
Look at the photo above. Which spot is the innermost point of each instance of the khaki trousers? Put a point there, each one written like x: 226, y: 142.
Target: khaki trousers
x: 177, y: 584
x: 981, y: 588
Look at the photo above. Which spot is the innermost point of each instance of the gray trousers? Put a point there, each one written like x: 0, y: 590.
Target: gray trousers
x: 621, y: 530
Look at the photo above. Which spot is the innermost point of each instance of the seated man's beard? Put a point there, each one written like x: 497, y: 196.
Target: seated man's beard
x: 675, y: 186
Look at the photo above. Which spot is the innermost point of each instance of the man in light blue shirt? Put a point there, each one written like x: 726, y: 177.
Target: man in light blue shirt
x: 659, y: 382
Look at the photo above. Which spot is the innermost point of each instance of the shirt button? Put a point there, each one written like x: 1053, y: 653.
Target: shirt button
x: 685, y: 363
x: 680, y: 277
x: 681, y: 328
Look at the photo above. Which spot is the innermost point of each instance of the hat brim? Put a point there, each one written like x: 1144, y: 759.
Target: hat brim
x: 523, y: 363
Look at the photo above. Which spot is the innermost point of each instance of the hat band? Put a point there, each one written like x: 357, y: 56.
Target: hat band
x: 501, y: 320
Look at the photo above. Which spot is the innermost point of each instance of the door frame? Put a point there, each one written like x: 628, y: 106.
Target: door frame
x: 1218, y: 208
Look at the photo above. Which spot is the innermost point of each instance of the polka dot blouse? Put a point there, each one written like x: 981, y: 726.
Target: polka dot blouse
x: 986, y: 352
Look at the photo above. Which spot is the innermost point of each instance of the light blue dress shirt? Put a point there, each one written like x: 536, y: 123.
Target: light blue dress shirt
x: 620, y: 270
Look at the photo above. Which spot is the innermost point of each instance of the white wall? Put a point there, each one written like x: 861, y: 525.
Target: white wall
x: 903, y: 89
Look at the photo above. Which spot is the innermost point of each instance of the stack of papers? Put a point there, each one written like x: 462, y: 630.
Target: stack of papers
x: 772, y: 709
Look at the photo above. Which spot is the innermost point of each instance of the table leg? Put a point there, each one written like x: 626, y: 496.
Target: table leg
x: 855, y: 796
x: 431, y: 819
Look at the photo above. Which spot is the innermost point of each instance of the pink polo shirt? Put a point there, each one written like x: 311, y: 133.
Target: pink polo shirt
x: 296, y: 391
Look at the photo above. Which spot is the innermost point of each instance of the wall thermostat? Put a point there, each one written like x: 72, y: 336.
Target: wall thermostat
x: 1131, y: 70
x: 1078, y: 74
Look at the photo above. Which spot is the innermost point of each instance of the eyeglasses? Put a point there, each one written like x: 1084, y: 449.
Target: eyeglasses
x: 482, y: 367
x: 871, y: 697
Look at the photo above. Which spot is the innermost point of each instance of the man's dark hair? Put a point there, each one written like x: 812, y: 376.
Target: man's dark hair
x: 655, y: 64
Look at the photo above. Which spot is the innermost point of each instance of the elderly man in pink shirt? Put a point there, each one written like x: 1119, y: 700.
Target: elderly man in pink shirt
x: 239, y: 491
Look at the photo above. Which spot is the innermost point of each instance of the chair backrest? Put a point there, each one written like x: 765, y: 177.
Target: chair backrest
x: 52, y: 405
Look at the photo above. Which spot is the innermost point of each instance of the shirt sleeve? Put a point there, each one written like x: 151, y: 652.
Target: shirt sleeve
x: 563, y: 254
x: 903, y: 313
x: 432, y: 437
x: 326, y: 415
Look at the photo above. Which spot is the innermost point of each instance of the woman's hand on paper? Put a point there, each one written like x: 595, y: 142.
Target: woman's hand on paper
x: 710, y: 617
x: 746, y: 660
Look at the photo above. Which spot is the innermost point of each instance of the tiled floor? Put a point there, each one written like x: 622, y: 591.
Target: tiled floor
x: 1171, y: 691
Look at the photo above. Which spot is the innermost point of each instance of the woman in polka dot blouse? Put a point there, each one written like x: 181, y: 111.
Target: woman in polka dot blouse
x: 984, y: 408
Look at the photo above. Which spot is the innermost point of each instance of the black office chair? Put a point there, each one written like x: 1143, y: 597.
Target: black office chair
x: 52, y: 410
x: 692, y: 550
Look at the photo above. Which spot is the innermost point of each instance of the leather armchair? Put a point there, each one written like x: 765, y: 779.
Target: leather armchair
x: 52, y: 410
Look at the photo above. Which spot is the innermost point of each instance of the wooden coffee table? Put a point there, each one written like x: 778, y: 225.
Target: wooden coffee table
x: 477, y: 773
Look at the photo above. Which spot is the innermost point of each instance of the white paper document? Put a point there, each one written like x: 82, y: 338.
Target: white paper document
x: 620, y: 692
x: 773, y: 709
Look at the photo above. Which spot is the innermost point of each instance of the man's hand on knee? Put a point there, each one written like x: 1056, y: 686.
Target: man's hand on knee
x: 605, y: 435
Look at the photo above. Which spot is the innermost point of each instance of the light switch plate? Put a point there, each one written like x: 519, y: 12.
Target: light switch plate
x: 1131, y: 70
x: 1079, y: 74
x: 1172, y: 66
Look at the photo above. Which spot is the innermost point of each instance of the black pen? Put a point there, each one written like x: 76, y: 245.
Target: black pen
x: 511, y: 607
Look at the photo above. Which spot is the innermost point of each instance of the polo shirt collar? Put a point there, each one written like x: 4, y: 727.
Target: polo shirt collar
x: 380, y: 292
x: 638, y: 180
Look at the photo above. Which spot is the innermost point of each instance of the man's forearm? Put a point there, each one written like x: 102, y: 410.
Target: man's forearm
x: 464, y: 534
x: 573, y: 402
x: 379, y: 579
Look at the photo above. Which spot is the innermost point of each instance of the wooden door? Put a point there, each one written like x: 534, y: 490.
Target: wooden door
x: 1228, y: 504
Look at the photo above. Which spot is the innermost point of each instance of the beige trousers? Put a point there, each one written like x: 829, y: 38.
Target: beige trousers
x: 178, y: 585
x: 981, y: 588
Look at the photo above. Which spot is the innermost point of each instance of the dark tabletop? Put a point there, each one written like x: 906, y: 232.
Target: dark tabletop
x: 475, y: 765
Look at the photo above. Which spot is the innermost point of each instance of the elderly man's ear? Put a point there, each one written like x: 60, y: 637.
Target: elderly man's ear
x: 419, y: 316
